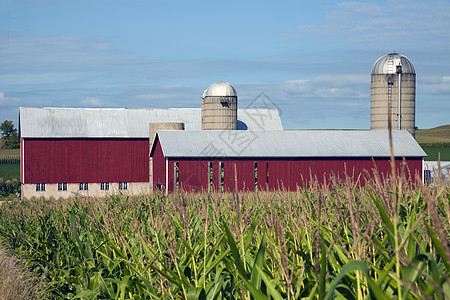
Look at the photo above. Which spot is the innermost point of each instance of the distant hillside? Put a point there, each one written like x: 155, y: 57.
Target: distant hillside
x: 435, y: 142
x: 436, y: 135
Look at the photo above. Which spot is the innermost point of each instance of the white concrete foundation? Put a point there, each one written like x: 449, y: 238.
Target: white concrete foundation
x: 51, y: 190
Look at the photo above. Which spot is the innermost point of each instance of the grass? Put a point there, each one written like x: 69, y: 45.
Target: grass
x: 434, y: 141
x: 387, y: 240
x: 7, y: 198
x: 15, y: 281
x: 10, y: 171
x: 435, y: 152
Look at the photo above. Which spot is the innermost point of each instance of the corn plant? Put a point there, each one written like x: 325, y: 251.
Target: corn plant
x: 338, y: 240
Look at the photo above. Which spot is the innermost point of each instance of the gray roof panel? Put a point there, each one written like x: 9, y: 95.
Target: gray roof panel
x: 125, y: 122
x: 287, y: 144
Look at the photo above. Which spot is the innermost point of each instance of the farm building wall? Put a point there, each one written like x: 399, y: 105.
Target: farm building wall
x: 84, y: 160
x: 290, y: 173
x: 94, y: 190
x: 21, y: 159
x: 159, y: 167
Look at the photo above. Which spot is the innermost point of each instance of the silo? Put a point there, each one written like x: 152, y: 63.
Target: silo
x: 153, y: 128
x: 393, y: 89
x: 219, y: 107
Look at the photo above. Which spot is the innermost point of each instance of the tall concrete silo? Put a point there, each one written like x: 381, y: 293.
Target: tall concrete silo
x: 219, y: 107
x: 393, y: 89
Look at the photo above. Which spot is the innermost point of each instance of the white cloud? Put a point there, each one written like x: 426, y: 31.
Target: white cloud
x: 61, y: 53
x: 168, y: 92
x: 435, y: 85
x: 342, y: 79
x: 328, y: 86
x: 157, y: 96
x: 324, y: 101
x: 92, y: 102
x: 297, y: 86
x: 391, y: 25
x: 7, y: 101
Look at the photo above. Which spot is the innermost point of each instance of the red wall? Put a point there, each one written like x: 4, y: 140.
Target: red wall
x: 295, y: 172
x: 192, y: 175
x: 21, y: 160
x: 244, y: 173
x: 159, y: 166
x: 85, y: 160
x: 283, y: 173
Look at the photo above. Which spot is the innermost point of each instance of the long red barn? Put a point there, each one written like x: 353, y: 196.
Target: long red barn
x: 224, y: 161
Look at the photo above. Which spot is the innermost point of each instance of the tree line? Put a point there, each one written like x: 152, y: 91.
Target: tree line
x: 9, y: 136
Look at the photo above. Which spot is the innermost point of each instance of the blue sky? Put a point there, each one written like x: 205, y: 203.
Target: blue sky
x: 313, y: 59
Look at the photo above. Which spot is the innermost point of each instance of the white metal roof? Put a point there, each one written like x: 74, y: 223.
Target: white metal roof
x: 388, y: 63
x: 287, y: 144
x: 125, y: 122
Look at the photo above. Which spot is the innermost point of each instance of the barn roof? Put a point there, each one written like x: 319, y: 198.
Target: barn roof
x: 282, y: 144
x: 125, y: 122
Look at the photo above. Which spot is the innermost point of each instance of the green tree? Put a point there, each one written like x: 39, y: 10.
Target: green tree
x: 9, y: 135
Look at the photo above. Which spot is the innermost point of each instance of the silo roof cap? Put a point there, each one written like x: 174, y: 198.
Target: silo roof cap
x: 387, y: 64
x: 218, y: 89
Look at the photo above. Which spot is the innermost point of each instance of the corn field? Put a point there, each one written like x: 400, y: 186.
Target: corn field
x: 388, y: 240
x: 10, y: 156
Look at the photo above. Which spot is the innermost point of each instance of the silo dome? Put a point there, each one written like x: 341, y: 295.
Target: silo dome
x: 388, y: 64
x: 393, y: 93
x: 221, y: 88
x: 219, y: 107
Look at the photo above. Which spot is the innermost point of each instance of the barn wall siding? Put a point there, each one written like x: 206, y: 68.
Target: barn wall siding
x: 243, y: 171
x: 283, y: 173
x: 159, y: 168
x: 290, y: 174
x: 21, y: 160
x: 85, y: 160
x: 193, y: 175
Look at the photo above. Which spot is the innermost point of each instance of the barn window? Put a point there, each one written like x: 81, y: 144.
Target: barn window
x: 123, y: 185
x: 40, y: 187
x: 175, y: 176
x: 104, y: 186
x: 210, y: 177
x: 84, y: 186
x: 62, y: 186
x: 221, y: 171
x: 255, y: 173
x: 267, y: 174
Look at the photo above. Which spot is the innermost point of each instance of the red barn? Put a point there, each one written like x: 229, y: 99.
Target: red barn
x: 248, y: 161
x: 97, y: 152
x: 78, y: 151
